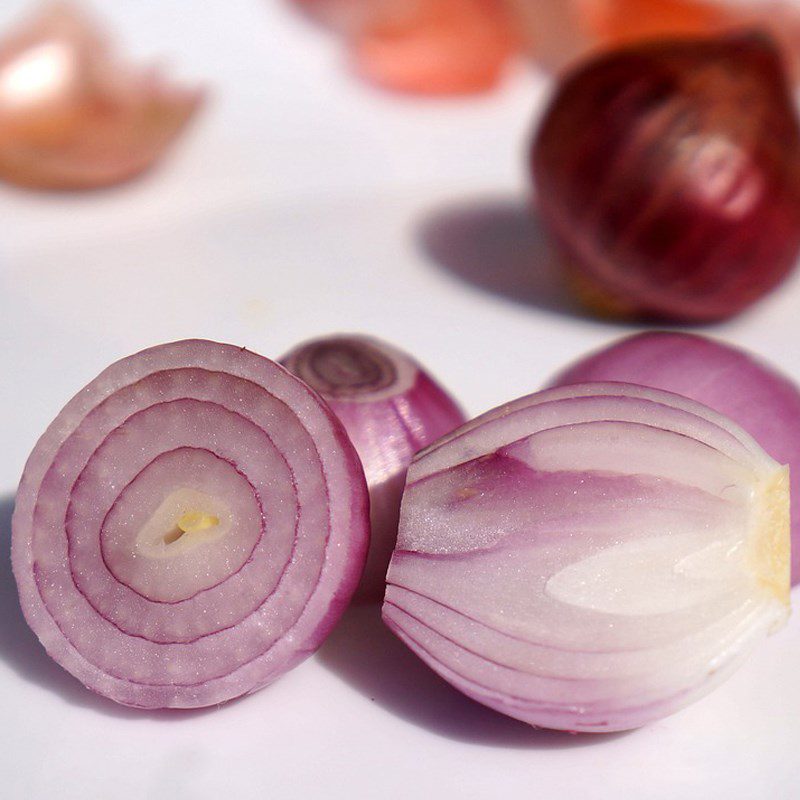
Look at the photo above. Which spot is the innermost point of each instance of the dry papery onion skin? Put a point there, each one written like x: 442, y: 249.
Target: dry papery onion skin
x: 391, y: 408
x: 190, y: 527
x: 669, y: 176
x: 75, y: 116
x: 743, y: 387
x: 592, y: 557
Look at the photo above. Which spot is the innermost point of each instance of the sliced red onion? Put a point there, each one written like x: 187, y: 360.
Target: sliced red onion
x: 729, y: 380
x: 390, y: 408
x: 190, y: 527
x: 592, y: 557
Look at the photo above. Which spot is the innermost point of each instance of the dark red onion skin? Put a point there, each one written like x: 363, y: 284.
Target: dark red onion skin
x: 669, y: 175
x: 729, y: 380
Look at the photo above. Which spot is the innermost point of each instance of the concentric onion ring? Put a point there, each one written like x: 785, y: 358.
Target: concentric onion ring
x: 190, y: 527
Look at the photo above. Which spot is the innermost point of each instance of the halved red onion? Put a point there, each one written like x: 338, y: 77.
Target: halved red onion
x: 390, y: 408
x: 190, y: 527
x: 592, y: 557
x: 731, y: 381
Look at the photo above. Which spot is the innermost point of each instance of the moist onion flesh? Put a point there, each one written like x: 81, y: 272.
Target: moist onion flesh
x: 732, y: 381
x: 391, y: 408
x: 190, y: 527
x: 591, y: 557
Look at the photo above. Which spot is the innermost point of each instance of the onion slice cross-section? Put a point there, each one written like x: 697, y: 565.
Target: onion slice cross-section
x: 190, y: 527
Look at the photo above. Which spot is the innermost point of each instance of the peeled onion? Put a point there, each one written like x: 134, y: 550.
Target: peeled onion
x: 190, y: 527
x: 390, y: 408
x: 591, y: 557
x: 731, y: 381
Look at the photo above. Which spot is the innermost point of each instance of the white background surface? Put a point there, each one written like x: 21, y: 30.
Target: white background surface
x: 303, y: 202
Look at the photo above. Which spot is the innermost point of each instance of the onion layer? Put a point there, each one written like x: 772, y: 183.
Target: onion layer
x: 390, y: 408
x: 729, y: 380
x: 590, y: 558
x: 190, y: 526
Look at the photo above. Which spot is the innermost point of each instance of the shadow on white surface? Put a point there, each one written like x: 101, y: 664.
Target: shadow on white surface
x: 500, y: 246
x: 365, y: 654
x: 20, y: 649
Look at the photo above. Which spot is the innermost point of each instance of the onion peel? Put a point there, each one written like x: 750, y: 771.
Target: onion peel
x: 72, y: 115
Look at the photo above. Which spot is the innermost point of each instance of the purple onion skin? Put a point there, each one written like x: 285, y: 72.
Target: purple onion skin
x: 205, y: 423
x: 387, y: 419
x: 669, y: 176
x: 729, y: 380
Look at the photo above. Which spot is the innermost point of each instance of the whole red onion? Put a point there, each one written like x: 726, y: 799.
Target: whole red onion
x: 669, y: 174
x: 189, y: 527
x: 390, y: 408
x: 729, y: 380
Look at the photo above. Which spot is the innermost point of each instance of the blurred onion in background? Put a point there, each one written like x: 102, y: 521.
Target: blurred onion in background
x: 462, y: 46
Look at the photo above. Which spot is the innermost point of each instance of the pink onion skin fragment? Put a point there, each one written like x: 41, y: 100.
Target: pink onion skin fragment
x: 189, y: 528
x: 732, y: 381
x: 592, y: 557
x: 391, y: 408
x: 73, y: 115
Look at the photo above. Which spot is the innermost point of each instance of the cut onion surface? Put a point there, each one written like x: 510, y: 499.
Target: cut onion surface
x: 592, y: 557
x: 390, y: 408
x: 753, y: 393
x: 190, y: 527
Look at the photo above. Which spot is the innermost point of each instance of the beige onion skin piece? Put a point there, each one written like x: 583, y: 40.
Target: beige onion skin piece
x: 72, y: 114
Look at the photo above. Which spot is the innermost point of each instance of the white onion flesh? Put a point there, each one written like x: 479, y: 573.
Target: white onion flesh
x: 591, y: 558
x: 738, y: 384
